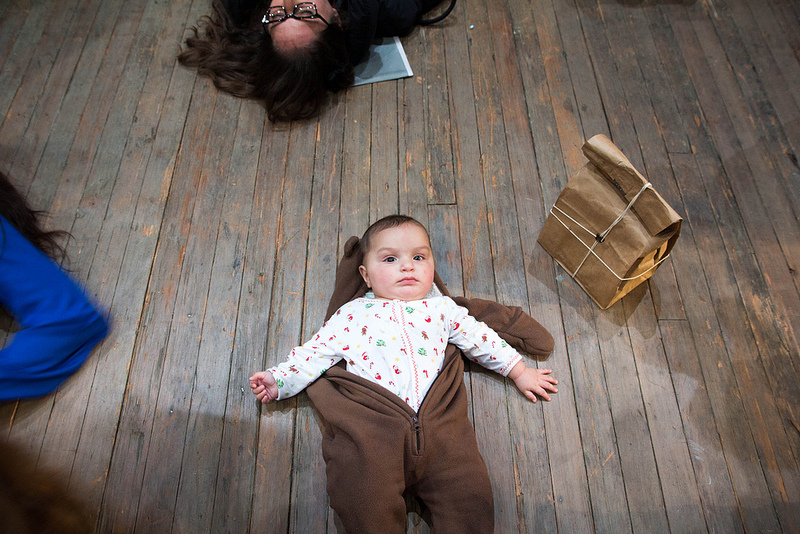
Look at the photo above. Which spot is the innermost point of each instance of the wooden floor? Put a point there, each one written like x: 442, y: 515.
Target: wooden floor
x: 213, y: 235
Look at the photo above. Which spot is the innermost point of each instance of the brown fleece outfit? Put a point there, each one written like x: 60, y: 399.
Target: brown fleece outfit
x: 377, y: 450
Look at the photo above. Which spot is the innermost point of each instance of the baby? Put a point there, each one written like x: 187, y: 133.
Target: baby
x: 398, y: 376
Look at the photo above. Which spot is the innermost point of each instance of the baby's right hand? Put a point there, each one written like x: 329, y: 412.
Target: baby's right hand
x: 264, y: 386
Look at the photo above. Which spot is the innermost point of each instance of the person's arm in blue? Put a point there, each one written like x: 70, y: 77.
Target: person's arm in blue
x: 59, y: 324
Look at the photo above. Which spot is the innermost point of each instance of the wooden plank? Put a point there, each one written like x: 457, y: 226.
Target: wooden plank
x: 278, y: 425
x: 668, y: 130
x: 654, y: 74
x: 80, y: 116
x: 630, y: 424
x: 12, y: 17
x: 793, y: 7
x: 146, y: 161
x: 718, y: 373
x: 697, y: 395
x: 777, y: 450
x: 309, y: 509
x: 173, y: 203
x: 443, y: 231
x: 73, y: 412
x: 39, y: 97
x: 354, y: 213
x: 412, y: 149
x: 778, y: 447
x: 730, y: 221
x: 153, y: 144
x: 477, y: 274
x: 207, y: 415
x: 29, y: 423
x: 671, y: 449
x: 236, y: 478
x: 193, y: 511
x: 170, y: 428
x: 536, y: 481
x: 19, y: 59
x: 787, y: 26
x: 601, y: 453
x: 601, y: 456
x: 723, y: 379
x: 590, y: 111
x: 745, y: 158
x: 780, y: 35
x: 385, y: 162
x: 7, y: 410
x: 771, y: 83
x: 708, y: 459
x: 755, y: 289
x: 570, y: 483
x: 436, y: 113
x: 490, y: 397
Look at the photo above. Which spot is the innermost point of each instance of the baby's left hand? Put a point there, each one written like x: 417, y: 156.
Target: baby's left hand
x: 533, y: 382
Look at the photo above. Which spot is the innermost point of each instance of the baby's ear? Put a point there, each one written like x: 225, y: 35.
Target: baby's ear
x: 363, y: 272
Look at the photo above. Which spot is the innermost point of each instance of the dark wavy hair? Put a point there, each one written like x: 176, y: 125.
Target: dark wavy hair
x: 244, y: 62
x: 25, y: 219
x: 390, y: 221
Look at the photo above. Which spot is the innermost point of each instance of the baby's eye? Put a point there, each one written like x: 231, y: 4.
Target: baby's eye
x: 389, y: 259
x: 419, y: 257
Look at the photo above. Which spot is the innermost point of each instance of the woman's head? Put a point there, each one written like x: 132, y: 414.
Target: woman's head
x: 296, y: 25
x: 289, y: 65
x: 294, y: 81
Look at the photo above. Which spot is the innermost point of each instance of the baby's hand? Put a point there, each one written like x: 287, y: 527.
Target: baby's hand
x: 534, y: 382
x: 264, y: 386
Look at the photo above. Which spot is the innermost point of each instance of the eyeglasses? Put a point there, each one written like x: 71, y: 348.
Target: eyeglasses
x: 300, y: 11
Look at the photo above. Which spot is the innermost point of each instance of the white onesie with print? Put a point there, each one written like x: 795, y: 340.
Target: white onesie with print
x: 397, y: 344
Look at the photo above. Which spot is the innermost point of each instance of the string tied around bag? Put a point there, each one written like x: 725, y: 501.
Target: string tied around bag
x: 600, y: 237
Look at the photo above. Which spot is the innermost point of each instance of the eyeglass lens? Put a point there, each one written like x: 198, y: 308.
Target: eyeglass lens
x: 303, y: 10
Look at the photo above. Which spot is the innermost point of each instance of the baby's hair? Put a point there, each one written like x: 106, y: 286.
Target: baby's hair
x: 390, y: 221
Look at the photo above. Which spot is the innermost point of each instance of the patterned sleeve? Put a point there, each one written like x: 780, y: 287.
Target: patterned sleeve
x: 480, y: 343
x: 309, y: 361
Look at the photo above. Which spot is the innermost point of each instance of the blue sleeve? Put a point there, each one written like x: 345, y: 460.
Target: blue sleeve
x: 59, y: 325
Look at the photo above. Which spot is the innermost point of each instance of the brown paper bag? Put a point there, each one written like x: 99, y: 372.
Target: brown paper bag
x: 609, y: 229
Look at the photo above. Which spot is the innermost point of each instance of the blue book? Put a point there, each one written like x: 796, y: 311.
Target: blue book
x: 386, y: 61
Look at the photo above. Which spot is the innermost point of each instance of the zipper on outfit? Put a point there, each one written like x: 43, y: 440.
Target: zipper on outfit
x: 417, y: 429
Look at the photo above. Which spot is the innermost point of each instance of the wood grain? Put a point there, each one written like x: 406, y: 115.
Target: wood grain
x: 212, y: 237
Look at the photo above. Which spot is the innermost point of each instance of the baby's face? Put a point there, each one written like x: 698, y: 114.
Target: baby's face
x: 399, y: 264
